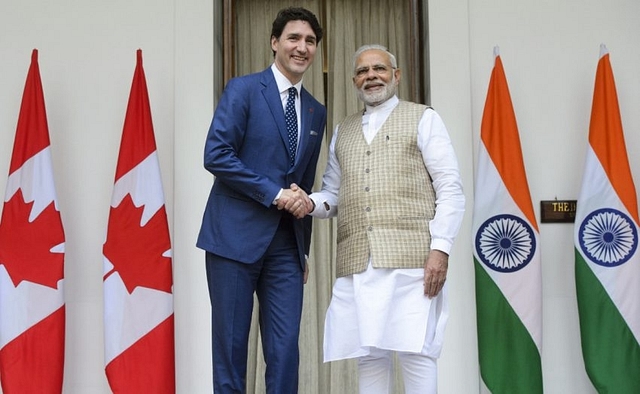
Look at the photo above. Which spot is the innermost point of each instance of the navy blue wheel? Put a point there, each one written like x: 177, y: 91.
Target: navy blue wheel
x: 608, y: 237
x: 505, y: 243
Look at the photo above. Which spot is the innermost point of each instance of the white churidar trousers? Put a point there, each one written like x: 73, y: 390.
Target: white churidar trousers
x: 381, y: 311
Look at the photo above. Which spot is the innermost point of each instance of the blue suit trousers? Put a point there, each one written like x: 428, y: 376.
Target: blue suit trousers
x: 277, y: 280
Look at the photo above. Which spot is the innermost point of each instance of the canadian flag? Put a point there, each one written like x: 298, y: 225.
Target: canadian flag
x: 32, y: 310
x: 138, y: 298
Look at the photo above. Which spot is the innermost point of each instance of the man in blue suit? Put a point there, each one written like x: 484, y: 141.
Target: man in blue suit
x: 251, y: 245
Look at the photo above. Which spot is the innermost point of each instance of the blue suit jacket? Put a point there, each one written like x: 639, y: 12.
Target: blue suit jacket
x: 246, y: 150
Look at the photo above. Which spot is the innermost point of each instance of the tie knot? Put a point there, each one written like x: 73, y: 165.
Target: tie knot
x: 292, y: 92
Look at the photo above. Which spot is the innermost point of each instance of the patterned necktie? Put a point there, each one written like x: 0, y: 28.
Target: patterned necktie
x: 292, y: 124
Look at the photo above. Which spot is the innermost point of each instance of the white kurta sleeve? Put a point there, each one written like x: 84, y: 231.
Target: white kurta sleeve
x: 442, y: 164
x: 327, y: 197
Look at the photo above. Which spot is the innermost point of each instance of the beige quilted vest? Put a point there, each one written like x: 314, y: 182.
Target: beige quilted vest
x: 386, y: 198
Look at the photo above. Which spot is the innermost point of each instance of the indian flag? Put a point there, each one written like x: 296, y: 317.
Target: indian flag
x: 506, y: 254
x: 606, y: 246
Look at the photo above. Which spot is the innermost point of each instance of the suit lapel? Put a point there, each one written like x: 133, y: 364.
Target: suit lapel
x: 272, y: 97
x: 306, y: 119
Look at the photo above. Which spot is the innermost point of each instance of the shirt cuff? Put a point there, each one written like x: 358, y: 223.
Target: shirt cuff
x: 321, y: 207
x: 275, y: 201
x: 441, y: 245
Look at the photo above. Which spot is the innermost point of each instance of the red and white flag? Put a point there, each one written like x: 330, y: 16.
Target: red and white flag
x: 32, y: 310
x: 138, y: 281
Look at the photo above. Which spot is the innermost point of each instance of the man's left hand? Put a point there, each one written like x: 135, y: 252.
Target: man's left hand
x: 435, y: 272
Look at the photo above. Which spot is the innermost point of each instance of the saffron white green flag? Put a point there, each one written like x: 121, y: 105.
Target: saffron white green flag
x: 506, y: 253
x: 606, y: 240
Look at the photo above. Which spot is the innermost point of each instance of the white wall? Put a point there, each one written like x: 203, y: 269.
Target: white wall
x: 87, y: 53
x: 87, y: 57
x: 549, y: 50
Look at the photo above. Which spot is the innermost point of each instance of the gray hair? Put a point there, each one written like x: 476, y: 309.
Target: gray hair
x: 369, y: 47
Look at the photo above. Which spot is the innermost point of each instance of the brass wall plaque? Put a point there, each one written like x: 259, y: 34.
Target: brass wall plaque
x: 558, y: 211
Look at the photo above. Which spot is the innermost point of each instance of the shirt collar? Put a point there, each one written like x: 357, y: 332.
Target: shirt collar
x: 386, y: 106
x: 283, y: 83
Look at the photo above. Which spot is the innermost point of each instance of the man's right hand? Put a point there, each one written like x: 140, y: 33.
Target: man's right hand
x: 295, y: 201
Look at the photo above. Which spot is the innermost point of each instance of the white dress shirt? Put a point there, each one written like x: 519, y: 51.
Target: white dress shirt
x: 283, y: 87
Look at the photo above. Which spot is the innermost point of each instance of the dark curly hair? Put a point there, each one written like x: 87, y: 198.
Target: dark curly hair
x: 287, y: 15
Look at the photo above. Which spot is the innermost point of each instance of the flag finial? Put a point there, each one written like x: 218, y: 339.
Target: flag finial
x: 603, y: 50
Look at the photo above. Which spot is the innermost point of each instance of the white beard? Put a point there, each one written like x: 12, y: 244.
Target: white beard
x: 375, y: 98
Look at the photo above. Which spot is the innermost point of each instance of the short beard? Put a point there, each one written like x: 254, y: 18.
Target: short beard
x: 374, y: 99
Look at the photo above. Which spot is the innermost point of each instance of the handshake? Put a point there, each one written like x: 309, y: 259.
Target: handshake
x: 295, y: 201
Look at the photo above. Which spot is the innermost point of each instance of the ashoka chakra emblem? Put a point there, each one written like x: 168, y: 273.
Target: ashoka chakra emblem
x: 505, y: 243
x: 608, y: 237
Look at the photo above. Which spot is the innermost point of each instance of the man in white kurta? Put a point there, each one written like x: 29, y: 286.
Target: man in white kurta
x: 384, y: 307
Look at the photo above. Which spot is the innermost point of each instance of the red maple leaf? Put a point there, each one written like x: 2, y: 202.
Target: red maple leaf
x: 25, y: 247
x: 136, y: 251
